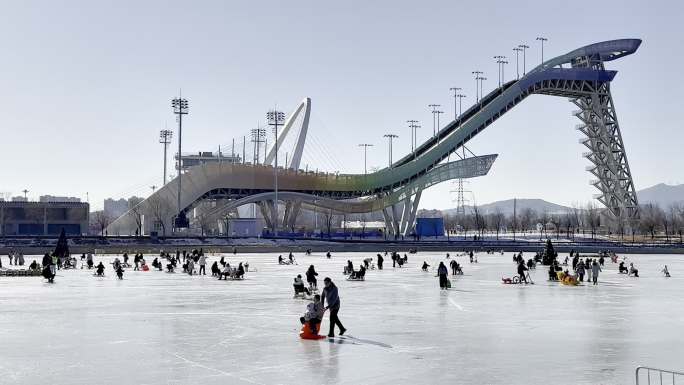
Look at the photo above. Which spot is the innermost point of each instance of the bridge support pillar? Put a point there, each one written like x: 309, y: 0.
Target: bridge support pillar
x: 389, y: 227
x: 265, y: 213
x: 412, y: 210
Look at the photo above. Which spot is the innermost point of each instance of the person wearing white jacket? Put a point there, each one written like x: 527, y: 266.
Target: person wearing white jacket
x: 203, y: 265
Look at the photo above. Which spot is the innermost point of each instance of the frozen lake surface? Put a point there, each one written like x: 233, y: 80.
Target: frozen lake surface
x: 159, y: 328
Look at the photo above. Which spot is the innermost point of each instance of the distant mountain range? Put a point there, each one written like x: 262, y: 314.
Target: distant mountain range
x: 506, y: 207
x: 661, y: 194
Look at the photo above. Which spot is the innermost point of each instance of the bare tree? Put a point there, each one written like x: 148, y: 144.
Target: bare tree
x: 569, y: 222
x: 593, y: 218
x: 136, y: 211
x: 578, y: 217
x: 160, y: 209
x: 465, y: 222
x: 479, y: 221
x: 556, y: 220
x: 102, y: 220
x: 650, y: 218
x: 498, y: 220
x: 526, y: 218
x: 204, y: 222
x: 680, y: 220
x: 544, y: 218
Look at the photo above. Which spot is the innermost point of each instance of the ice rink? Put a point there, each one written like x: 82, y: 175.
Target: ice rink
x: 159, y: 328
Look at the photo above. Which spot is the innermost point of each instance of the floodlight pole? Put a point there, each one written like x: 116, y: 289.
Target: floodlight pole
x: 365, y: 153
x: 165, y: 139
x: 477, y: 76
x: 180, y: 108
x: 524, y: 47
x: 517, y: 65
x: 499, y: 59
x: 455, y: 89
x: 460, y: 105
x: 275, y: 117
x: 438, y: 114
x: 542, y: 40
x: 434, y: 112
x: 390, y: 137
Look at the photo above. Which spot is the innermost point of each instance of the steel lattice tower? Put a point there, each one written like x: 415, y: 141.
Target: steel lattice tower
x: 606, y: 149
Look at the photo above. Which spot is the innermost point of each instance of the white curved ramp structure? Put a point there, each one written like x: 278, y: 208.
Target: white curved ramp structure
x: 579, y: 75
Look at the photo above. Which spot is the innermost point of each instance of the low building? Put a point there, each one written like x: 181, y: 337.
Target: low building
x: 58, y: 199
x: 43, y: 218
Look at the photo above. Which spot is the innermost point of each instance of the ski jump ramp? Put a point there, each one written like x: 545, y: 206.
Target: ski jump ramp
x: 579, y: 75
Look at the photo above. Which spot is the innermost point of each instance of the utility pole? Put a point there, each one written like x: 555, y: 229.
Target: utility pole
x: 434, y: 111
x: 180, y: 108
x: 165, y: 140
x: 25, y: 191
x: 275, y: 118
x: 503, y: 73
x: 517, y: 65
x: 477, y: 76
x: 524, y: 47
x: 365, y: 154
x: 455, y: 89
x: 390, y: 137
x: 542, y: 40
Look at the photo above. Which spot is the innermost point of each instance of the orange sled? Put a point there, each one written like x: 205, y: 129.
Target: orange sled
x: 306, y: 334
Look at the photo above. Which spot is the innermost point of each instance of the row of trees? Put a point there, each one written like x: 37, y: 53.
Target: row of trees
x: 654, y: 221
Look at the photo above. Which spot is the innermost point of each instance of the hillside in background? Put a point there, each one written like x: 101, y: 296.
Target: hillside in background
x: 506, y: 207
x: 662, y: 194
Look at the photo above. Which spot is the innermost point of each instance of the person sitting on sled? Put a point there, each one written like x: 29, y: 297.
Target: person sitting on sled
x: 314, y: 314
x: 299, y: 287
x: 425, y: 266
x: 100, y: 269
x: 119, y: 271
x: 622, y: 268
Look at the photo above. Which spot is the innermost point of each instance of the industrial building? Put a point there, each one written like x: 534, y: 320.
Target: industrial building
x: 47, y: 217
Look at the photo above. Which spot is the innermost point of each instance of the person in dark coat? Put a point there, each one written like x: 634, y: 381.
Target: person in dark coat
x: 331, y: 295
x: 100, y: 269
x: 311, y: 277
x: 380, y: 261
x: 47, y: 270
x: 442, y: 272
x: 521, y: 271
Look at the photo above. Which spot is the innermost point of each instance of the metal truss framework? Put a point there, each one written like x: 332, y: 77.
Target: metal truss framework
x: 606, y: 149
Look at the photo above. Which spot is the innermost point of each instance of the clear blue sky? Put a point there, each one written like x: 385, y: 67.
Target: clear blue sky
x: 86, y: 86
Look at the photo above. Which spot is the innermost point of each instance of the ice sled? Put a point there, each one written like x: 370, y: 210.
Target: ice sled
x: 306, y: 334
